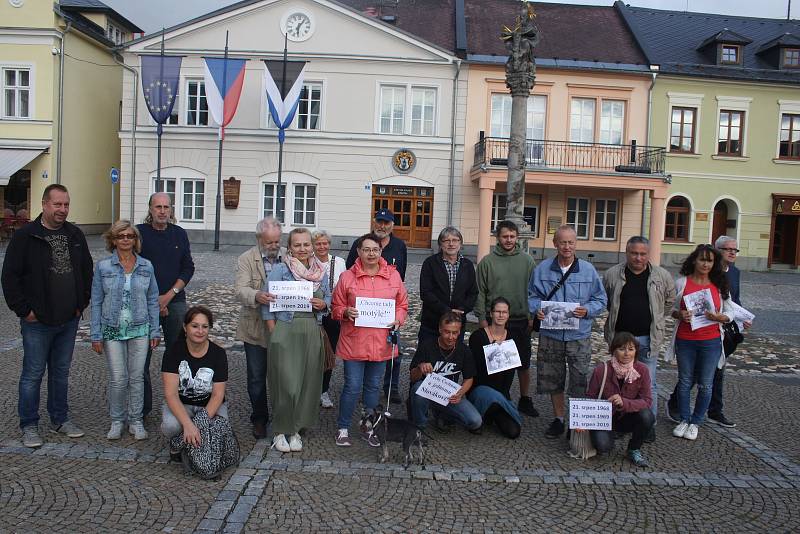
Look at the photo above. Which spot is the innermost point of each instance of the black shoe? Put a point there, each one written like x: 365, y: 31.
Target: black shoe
x: 525, y: 405
x: 651, y: 436
x: 175, y: 457
x: 441, y: 425
x: 673, y: 414
x: 555, y: 429
x: 477, y: 431
x: 259, y: 430
x: 721, y: 420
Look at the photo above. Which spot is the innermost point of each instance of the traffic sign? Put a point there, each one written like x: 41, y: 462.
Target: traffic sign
x: 114, y: 174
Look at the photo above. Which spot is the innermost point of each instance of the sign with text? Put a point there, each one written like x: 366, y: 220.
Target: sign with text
x: 291, y: 296
x: 374, y: 313
x: 438, y: 389
x: 590, y: 414
x: 740, y: 315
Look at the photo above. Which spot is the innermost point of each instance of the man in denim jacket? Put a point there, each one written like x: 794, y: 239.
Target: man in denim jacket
x: 557, y: 348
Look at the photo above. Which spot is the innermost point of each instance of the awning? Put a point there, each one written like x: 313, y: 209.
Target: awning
x: 13, y: 159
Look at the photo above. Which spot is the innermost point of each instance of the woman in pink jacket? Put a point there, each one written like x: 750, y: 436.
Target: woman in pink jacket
x: 365, y: 350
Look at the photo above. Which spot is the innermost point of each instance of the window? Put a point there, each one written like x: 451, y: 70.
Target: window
x: 166, y: 185
x: 729, y: 54
x: 676, y: 225
x: 17, y: 93
x: 175, y: 113
x: 790, y: 137
x: 530, y: 214
x: 791, y: 58
x: 581, y: 127
x: 578, y: 216
x: 305, y: 202
x: 392, y: 109
x: 612, y: 121
x: 115, y: 34
x: 193, y: 200
x: 269, y: 201
x: 501, y: 116
x: 731, y: 128
x: 196, y: 104
x: 682, y: 130
x: 536, y: 121
x: 605, y: 219
x: 423, y: 105
x: 308, y: 110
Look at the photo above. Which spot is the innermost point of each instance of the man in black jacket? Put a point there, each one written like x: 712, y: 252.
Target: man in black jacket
x: 47, y: 282
x: 446, y: 283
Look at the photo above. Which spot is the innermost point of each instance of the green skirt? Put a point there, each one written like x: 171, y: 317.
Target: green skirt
x: 294, y: 373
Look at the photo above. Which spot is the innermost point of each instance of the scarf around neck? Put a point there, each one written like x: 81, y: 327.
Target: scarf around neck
x: 313, y: 273
x: 625, y: 371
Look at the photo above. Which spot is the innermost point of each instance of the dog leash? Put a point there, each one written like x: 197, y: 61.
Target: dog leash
x: 392, y: 339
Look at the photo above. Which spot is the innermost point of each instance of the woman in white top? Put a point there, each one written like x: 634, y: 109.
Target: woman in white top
x: 321, y: 240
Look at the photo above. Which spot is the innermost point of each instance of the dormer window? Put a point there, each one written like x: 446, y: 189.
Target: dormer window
x: 730, y: 54
x: 791, y: 58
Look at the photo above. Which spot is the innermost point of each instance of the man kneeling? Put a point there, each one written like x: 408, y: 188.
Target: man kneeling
x: 451, y: 359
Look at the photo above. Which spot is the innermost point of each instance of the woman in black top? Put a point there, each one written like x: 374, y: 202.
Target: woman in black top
x: 491, y: 393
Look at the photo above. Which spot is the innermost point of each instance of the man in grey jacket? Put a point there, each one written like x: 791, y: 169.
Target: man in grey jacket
x: 640, y: 297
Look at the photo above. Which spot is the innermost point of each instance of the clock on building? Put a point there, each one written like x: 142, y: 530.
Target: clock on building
x: 297, y: 25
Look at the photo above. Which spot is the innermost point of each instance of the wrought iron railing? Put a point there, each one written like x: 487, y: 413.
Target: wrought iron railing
x: 575, y: 157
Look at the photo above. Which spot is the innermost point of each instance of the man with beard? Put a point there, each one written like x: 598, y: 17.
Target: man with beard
x: 252, y: 269
x: 393, y: 250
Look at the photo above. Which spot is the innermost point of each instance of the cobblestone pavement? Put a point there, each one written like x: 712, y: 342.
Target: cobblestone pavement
x: 745, y: 479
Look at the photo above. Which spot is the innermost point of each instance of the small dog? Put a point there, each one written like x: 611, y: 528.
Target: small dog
x: 387, y: 428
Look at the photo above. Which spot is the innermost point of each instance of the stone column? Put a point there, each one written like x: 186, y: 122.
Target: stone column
x: 485, y: 218
x: 657, y: 214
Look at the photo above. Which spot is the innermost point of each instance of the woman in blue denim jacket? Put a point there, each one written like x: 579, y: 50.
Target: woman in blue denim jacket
x: 125, y: 323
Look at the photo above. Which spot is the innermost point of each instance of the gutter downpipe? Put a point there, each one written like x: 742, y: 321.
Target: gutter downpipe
x: 60, y: 143
x: 452, y: 184
x: 647, y: 142
x: 133, y: 71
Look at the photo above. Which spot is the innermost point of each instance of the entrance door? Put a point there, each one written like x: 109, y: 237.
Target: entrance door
x: 720, y: 224
x: 784, y: 242
x: 413, y: 211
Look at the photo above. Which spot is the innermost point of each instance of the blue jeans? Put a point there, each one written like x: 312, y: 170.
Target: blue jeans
x: 463, y: 412
x: 257, y: 382
x: 45, y: 347
x: 651, y: 361
x: 125, y: 378
x: 697, y: 361
x: 171, y: 325
x: 359, y: 375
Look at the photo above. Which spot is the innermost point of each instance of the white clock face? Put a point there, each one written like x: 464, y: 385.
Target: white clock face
x: 298, y: 26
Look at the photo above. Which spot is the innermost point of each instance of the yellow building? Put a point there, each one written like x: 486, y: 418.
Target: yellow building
x: 60, y: 95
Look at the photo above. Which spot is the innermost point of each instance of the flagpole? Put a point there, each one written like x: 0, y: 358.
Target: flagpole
x: 159, y: 127
x: 221, y: 137
x: 280, y: 139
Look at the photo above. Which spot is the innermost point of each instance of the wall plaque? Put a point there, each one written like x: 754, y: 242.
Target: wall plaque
x: 230, y: 191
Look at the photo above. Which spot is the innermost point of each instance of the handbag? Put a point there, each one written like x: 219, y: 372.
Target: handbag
x: 536, y: 322
x: 580, y: 443
x: 731, y: 338
x: 218, y: 450
x: 330, y: 354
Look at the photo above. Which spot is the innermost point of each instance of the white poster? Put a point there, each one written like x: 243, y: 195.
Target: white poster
x: 437, y: 388
x: 699, y: 303
x: 291, y: 296
x: 374, y: 313
x: 501, y: 356
x: 740, y: 315
x: 559, y: 315
x: 590, y: 414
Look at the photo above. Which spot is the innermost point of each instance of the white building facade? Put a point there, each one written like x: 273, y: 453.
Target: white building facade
x: 379, y: 124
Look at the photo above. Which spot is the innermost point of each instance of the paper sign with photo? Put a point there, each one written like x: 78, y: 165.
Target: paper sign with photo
x: 740, y: 315
x: 437, y: 388
x: 590, y: 414
x: 501, y: 356
x: 559, y: 315
x: 374, y: 313
x: 291, y: 296
x: 699, y: 303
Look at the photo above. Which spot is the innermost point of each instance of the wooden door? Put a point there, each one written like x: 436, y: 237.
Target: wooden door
x: 720, y: 223
x: 784, y: 242
x: 413, y: 212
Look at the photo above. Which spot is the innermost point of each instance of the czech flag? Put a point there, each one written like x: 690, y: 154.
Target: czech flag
x: 224, y: 78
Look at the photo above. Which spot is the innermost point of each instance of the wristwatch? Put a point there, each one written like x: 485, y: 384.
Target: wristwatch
x: 176, y: 290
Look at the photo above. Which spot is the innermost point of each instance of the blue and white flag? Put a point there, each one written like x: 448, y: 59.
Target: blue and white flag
x: 283, y: 106
x: 160, y: 77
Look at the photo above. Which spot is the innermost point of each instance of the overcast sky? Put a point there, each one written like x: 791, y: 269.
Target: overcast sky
x: 152, y: 15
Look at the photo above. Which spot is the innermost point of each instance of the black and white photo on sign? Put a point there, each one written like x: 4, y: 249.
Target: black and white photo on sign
x: 291, y: 296
x: 501, y: 356
x: 699, y: 303
x: 560, y: 315
x: 197, y: 387
x: 374, y: 313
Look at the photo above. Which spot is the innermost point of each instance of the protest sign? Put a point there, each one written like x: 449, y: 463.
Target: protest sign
x: 740, y: 315
x: 437, y: 388
x: 374, y: 313
x: 590, y: 414
x: 559, y: 315
x: 291, y: 296
x: 501, y: 356
x: 699, y: 303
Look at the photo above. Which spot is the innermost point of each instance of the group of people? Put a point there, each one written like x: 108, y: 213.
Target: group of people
x: 137, y: 293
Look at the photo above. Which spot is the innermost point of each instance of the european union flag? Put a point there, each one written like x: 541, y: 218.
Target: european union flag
x: 160, y: 78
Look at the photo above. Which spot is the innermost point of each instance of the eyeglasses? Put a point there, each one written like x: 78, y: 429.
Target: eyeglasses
x: 129, y: 237
x: 371, y: 250
x: 734, y: 250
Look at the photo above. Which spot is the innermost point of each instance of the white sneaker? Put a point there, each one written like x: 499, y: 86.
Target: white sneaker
x: 680, y: 430
x: 279, y: 442
x: 691, y: 432
x: 116, y: 430
x: 325, y: 400
x: 137, y: 429
x: 295, y: 443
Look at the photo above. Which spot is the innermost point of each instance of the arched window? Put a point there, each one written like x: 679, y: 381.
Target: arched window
x: 676, y: 227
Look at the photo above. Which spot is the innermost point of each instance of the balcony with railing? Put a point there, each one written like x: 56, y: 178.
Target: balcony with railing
x: 575, y: 157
